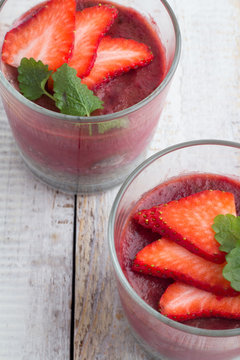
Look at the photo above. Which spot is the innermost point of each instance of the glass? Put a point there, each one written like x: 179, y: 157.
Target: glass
x: 161, y: 337
x: 70, y: 153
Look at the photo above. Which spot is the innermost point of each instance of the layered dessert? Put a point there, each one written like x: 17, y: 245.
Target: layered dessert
x: 118, y: 57
x: 120, y: 85
x: 179, y: 250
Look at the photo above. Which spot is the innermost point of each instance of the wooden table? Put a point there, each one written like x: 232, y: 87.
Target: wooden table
x: 48, y: 311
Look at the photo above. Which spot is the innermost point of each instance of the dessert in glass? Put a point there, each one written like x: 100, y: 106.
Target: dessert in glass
x: 177, y: 280
x: 91, y: 152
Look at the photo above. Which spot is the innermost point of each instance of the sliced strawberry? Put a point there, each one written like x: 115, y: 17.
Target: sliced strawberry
x: 165, y: 258
x: 91, y: 25
x: 116, y: 56
x: 30, y: 13
x: 182, y: 302
x: 189, y: 220
x: 48, y: 35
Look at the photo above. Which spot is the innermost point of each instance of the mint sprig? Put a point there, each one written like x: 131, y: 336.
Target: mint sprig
x: 32, y: 78
x: 70, y: 95
x: 227, y: 229
x: 227, y: 233
x: 231, y: 270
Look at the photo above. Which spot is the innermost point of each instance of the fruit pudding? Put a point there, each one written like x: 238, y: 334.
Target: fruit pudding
x: 159, y: 263
x: 129, y: 88
x: 126, y: 63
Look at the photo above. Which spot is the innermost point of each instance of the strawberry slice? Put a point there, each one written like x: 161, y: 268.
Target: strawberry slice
x: 116, y: 56
x: 189, y: 220
x: 48, y: 35
x: 30, y: 13
x: 91, y: 25
x: 182, y: 302
x: 165, y: 258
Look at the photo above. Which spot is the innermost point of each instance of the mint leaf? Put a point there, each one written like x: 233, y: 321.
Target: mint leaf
x: 71, y: 96
x: 116, y: 123
x: 231, y: 271
x: 227, y: 229
x: 227, y: 233
x: 32, y: 77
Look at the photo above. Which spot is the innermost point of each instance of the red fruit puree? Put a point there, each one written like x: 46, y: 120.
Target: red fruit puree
x: 135, y: 237
x: 69, y: 149
x: 129, y: 88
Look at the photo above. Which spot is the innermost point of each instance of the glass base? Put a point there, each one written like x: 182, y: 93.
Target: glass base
x: 81, y: 184
x: 151, y: 354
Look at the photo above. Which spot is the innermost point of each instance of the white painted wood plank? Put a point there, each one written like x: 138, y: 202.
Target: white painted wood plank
x: 203, y: 102
x: 101, y: 331
x: 36, y: 222
x: 36, y: 231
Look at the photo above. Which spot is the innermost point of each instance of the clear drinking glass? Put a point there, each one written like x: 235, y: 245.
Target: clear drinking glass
x: 161, y: 337
x: 73, y: 153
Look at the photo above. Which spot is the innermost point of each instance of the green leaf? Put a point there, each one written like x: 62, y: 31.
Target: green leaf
x: 231, y: 271
x: 71, y: 96
x: 227, y: 229
x: 116, y: 123
x: 32, y: 77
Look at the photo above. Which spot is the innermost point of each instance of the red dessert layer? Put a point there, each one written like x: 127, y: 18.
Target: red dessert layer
x: 65, y: 149
x: 135, y: 237
x: 129, y: 88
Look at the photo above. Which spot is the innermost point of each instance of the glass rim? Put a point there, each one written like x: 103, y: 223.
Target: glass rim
x: 101, y: 118
x: 120, y: 275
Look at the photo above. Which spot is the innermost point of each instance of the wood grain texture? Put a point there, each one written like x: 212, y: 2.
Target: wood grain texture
x: 36, y: 226
x: 36, y: 231
x: 99, y: 320
x: 203, y: 102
